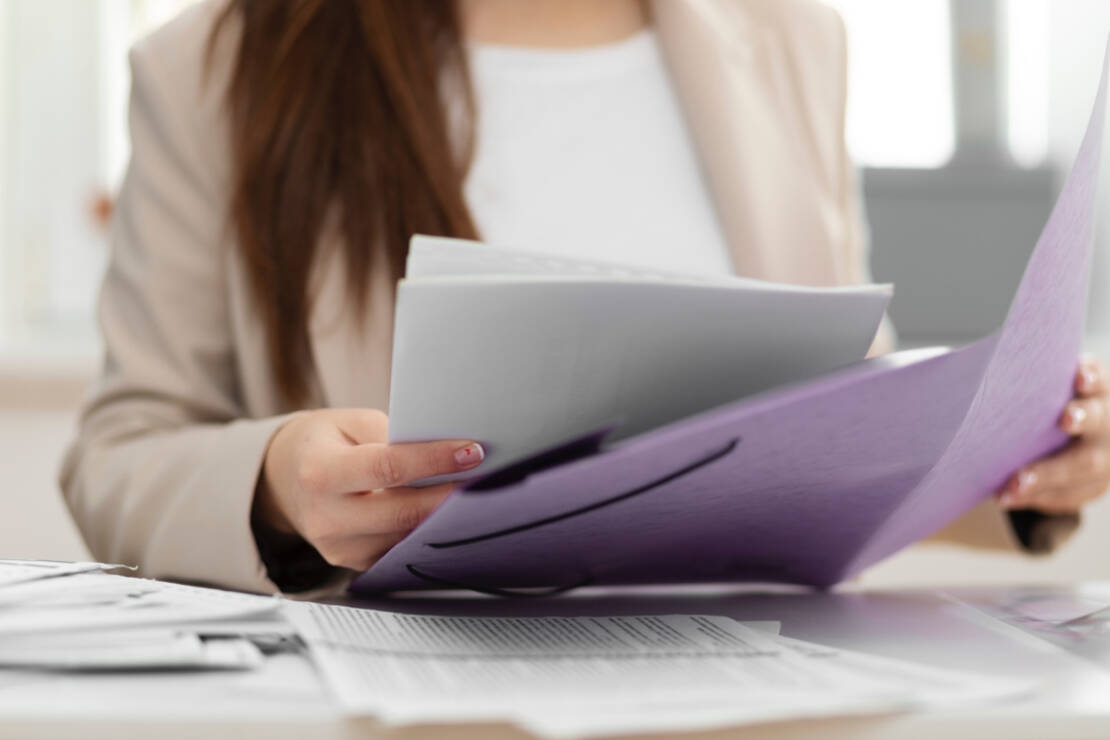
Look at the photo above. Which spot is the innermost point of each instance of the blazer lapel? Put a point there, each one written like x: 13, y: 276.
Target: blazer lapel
x: 733, y: 77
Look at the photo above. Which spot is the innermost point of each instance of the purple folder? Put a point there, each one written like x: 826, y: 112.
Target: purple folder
x: 808, y: 484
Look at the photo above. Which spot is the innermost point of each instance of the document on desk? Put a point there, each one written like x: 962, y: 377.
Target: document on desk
x: 618, y: 674
x: 89, y: 601
x: 128, y: 650
x: 851, y: 677
x: 13, y: 572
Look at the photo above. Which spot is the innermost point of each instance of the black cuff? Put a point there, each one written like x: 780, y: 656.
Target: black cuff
x: 1040, y: 533
x: 291, y: 563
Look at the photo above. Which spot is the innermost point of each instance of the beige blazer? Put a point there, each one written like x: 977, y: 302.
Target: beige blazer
x: 164, y: 468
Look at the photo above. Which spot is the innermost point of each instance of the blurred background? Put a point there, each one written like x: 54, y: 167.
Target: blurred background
x: 964, y: 115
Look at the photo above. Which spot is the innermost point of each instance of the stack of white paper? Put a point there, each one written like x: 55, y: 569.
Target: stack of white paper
x: 69, y: 616
x: 137, y: 650
x: 564, y: 677
x: 86, y: 602
x: 14, y: 572
x: 522, y: 351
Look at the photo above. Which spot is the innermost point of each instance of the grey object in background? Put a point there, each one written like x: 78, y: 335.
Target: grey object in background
x: 954, y: 242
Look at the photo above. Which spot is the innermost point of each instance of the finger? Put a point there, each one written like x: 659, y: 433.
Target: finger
x: 392, y: 511
x: 1087, y: 417
x: 1090, y: 378
x: 1065, y: 501
x: 1078, y: 464
x: 362, y: 426
x: 367, y: 518
x: 369, y: 467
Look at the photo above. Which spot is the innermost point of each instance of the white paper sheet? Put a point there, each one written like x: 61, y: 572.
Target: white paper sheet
x: 440, y: 257
x: 14, y: 572
x: 565, y: 677
x: 286, y: 688
x: 128, y: 650
x: 522, y: 353
x: 100, y: 601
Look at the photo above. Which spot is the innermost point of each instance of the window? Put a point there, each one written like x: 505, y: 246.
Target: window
x: 1026, y: 24
x: 899, y: 82
x: 901, y: 109
x: 63, y: 143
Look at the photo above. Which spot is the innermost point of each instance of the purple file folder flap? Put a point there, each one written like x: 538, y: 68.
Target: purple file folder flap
x: 1012, y: 419
x: 807, y: 484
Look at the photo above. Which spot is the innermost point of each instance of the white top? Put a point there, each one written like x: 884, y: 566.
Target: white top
x: 585, y: 153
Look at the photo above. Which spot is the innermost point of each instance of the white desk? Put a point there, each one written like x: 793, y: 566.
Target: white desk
x: 286, y: 699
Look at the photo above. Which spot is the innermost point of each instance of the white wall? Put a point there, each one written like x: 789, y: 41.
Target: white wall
x: 52, y: 161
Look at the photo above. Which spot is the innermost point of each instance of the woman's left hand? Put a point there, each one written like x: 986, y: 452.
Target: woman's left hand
x: 1063, y: 482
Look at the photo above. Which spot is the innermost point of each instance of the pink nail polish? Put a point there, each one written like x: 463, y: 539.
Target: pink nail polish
x: 469, y: 456
x: 1074, y: 416
x: 1087, y: 379
x: 1026, y: 479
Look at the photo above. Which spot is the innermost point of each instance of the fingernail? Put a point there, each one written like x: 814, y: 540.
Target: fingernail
x: 1087, y: 378
x: 469, y: 456
x: 1025, y: 480
x: 1074, y: 416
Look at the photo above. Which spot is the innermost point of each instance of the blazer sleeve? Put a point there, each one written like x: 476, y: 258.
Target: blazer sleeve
x: 163, y: 471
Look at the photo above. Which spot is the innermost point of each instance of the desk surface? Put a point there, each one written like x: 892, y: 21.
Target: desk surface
x: 287, y: 699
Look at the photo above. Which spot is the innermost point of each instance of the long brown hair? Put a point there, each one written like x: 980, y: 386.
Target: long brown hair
x: 340, y: 106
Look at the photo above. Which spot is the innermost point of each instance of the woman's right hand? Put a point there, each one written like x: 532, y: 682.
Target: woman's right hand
x: 330, y: 477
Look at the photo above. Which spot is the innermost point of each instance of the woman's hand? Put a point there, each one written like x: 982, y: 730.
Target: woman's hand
x: 1065, y: 481
x: 330, y: 477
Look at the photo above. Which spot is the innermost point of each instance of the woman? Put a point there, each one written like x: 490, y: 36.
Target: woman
x: 284, y: 153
